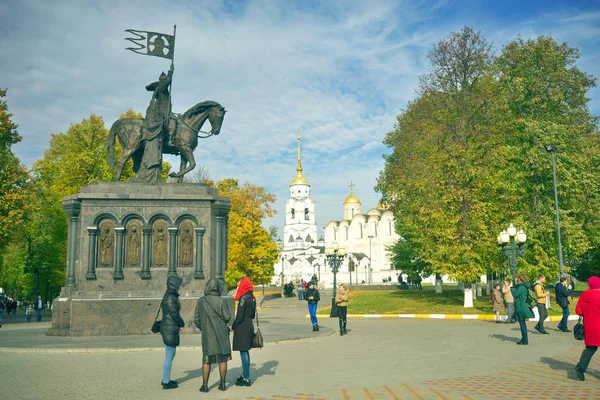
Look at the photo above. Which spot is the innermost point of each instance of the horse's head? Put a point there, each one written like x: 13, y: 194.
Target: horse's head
x: 215, y: 116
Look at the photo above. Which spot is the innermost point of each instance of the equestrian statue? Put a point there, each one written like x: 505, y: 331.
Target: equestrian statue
x: 145, y: 140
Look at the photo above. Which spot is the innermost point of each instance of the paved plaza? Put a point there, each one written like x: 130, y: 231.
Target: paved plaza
x: 378, y: 359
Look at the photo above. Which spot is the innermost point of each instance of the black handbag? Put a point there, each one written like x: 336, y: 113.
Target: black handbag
x: 578, y: 329
x: 257, y: 339
x: 156, y: 325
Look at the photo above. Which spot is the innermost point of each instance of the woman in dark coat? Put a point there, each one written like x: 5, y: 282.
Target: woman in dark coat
x: 522, y: 310
x: 243, y: 329
x: 170, y: 326
x: 211, y: 317
x: 312, y: 296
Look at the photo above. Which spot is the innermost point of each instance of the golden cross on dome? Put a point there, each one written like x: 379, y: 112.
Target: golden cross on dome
x: 351, y: 186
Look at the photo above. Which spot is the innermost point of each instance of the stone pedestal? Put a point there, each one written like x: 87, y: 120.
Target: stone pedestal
x: 124, y: 240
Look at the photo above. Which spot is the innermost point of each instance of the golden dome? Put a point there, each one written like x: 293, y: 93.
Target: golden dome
x: 299, y: 180
x: 352, y: 199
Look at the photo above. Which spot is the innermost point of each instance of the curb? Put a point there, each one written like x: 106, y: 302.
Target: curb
x: 554, y: 318
x: 84, y: 350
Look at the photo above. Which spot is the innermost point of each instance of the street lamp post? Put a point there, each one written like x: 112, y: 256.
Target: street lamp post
x: 512, y: 243
x: 370, y: 268
x: 334, y: 256
x: 262, y: 263
x: 550, y: 148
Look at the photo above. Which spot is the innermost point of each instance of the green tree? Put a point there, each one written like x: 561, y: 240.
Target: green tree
x: 248, y: 243
x: 546, y: 97
x: 13, y: 176
x: 439, y: 178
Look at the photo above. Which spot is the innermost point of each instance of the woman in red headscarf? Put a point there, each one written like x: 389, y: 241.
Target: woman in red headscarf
x: 243, y: 328
x: 588, y: 307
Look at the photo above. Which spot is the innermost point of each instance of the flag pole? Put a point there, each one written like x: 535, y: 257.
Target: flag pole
x: 172, y: 65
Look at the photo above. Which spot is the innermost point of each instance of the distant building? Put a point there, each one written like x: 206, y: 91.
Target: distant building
x: 364, y: 236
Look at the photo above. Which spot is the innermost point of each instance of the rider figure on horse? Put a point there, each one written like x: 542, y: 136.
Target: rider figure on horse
x: 159, y: 109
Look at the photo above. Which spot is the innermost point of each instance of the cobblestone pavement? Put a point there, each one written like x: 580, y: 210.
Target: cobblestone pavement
x: 378, y: 359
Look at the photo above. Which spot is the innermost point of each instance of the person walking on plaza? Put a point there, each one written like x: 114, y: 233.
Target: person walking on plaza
x: 29, y: 313
x: 211, y: 317
x: 498, y: 302
x: 588, y: 306
x: 300, y: 290
x: 39, y: 308
x: 243, y: 328
x: 510, y: 301
x: 313, y: 297
x: 542, y: 296
x: 170, y: 326
x: 2, y: 307
x: 562, y: 291
x: 341, y: 299
x: 522, y: 311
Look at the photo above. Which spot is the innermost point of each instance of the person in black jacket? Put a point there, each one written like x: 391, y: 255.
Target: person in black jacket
x: 313, y: 297
x: 170, y: 326
x: 562, y: 292
x: 243, y: 328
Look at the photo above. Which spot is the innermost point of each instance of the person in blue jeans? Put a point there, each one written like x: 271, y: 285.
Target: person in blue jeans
x: 39, y: 308
x: 313, y: 297
x: 522, y: 310
x: 170, y: 326
x: 300, y: 290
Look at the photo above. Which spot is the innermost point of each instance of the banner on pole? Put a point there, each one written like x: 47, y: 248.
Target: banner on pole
x: 152, y: 43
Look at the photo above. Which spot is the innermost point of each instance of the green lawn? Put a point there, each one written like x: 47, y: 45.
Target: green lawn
x: 425, y: 301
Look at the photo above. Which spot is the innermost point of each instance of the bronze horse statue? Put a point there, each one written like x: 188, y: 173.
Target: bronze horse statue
x: 187, y: 126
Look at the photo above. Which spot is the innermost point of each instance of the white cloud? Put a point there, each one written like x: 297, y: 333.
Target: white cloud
x: 338, y: 70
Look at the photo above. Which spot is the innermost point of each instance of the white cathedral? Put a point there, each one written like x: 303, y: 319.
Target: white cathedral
x: 364, y: 236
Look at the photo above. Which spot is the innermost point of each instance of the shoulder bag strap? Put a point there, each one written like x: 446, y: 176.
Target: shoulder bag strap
x: 158, y: 312
x: 257, y: 323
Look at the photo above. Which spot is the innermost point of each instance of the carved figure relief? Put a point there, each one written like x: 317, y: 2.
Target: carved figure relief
x: 106, y: 245
x: 159, y: 245
x: 132, y: 246
x: 186, y: 244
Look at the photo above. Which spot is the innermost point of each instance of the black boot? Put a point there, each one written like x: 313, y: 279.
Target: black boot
x: 345, y: 330
x: 341, y: 328
x: 317, y: 327
x: 314, y: 328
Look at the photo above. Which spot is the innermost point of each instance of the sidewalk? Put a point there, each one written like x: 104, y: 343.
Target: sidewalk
x: 278, y: 325
x: 380, y: 358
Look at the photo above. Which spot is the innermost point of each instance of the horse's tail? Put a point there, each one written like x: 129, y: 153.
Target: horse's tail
x: 111, y: 143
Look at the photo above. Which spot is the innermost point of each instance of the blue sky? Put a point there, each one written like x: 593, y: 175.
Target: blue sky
x: 340, y: 71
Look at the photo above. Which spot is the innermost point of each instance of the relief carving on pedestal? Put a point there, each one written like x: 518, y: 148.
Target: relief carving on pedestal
x: 160, y: 239
x: 133, y: 245
x: 106, y: 245
x: 186, y: 245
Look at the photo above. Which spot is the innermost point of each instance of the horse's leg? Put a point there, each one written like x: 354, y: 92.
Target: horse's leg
x: 122, y: 160
x: 182, y: 164
x: 188, y: 154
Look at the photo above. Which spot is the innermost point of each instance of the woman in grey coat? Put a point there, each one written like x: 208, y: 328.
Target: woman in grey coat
x: 211, y: 317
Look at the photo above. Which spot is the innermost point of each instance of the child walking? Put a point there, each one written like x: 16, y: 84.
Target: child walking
x: 29, y: 313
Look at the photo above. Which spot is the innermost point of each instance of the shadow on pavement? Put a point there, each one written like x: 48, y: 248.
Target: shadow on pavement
x: 565, y: 366
x: 267, y: 368
x: 505, y: 338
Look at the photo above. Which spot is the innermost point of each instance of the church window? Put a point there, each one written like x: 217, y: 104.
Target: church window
x: 360, y: 233
x: 352, y: 212
x: 291, y: 239
x: 375, y: 229
x: 293, y: 213
x: 389, y: 227
x: 306, y: 217
x: 335, y: 234
x: 346, y: 233
x: 308, y: 239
